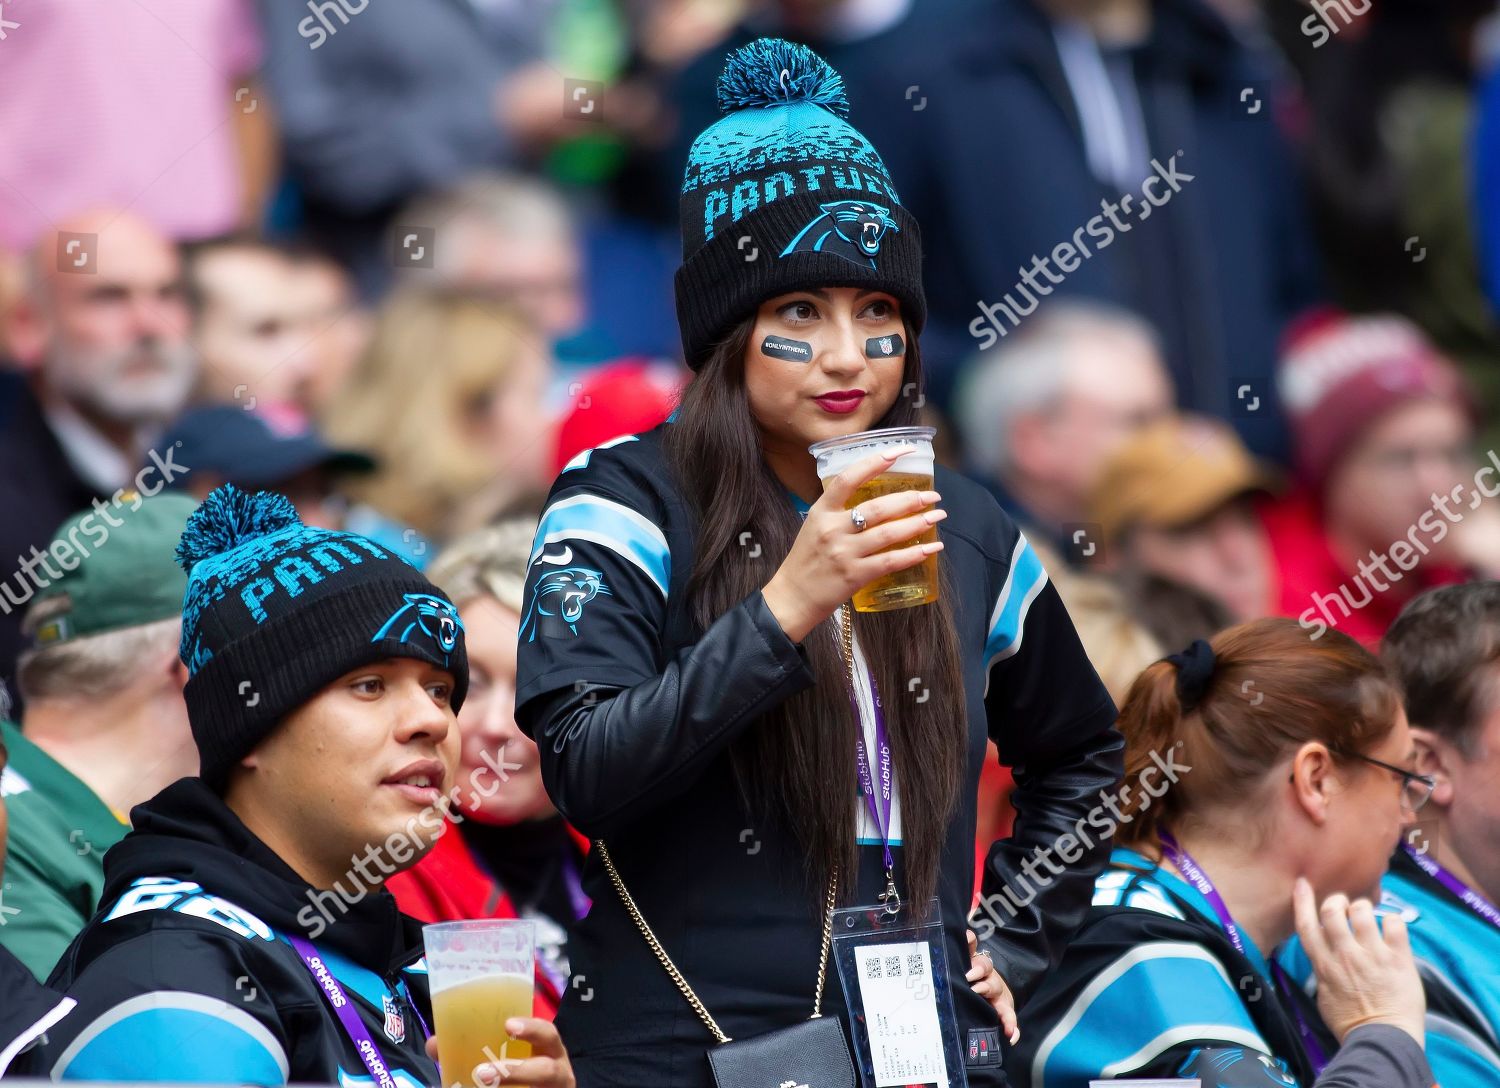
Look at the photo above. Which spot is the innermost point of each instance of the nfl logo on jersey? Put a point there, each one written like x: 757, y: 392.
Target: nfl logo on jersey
x: 395, y: 1022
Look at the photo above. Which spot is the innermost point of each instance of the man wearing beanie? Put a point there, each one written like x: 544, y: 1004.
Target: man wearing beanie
x: 243, y: 919
x: 1387, y: 502
x: 104, y: 725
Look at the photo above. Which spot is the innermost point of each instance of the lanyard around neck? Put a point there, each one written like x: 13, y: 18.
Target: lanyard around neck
x: 1193, y: 873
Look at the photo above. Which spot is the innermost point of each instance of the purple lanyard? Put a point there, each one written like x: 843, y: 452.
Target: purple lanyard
x: 574, y: 882
x: 1195, y: 876
x: 1466, y: 895
x: 354, y: 1027
x: 880, y: 811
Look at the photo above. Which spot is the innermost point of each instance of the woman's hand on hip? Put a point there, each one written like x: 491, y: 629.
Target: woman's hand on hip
x: 831, y: 559
x: 1366, y: 973
x: 988, y: 984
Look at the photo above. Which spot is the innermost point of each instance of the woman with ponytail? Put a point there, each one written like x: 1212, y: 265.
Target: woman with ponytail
x: 1265, y: 772
x: 683, y: 657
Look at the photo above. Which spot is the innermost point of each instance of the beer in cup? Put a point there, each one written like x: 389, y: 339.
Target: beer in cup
x: 909, y: 472
x: 481, y: 974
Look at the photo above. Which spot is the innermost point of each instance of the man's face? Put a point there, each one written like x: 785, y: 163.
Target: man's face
x: 344, y: 772
x: 1472, y: 827
x: 1223, y: 556
x: 338, y: 329
x: 541, y: 273
x: 114, y: 343
x: 1116, y: 385
x: 253, y: 331
x: 1385, y: 482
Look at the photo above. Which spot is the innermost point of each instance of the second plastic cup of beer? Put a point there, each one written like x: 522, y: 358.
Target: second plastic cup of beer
x: 909, y: 472
x: 481, y: 973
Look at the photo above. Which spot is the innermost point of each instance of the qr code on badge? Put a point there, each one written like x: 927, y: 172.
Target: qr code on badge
x: 914, y: 964
x: 893, y: 966
x: 872, y: 967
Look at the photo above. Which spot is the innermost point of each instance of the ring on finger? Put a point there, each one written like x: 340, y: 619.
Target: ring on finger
x: 858, y: 517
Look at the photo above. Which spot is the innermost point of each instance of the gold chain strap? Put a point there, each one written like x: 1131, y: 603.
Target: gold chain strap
x: 676, y: 975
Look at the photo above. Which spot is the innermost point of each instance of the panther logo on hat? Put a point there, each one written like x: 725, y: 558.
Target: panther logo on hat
x: 433, y: 616
x: 851, y: 229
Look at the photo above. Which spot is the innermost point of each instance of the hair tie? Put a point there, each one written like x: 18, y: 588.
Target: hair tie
x: 1195, y: 668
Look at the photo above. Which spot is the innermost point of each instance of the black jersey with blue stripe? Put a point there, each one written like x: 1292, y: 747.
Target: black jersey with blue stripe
x: 1151, y: 986
x: 186, y: 975
x: 1458, y: 957
x: 633, y: 707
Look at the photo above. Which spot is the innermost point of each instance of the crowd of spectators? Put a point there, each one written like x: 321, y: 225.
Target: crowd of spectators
x: 1213, y: 300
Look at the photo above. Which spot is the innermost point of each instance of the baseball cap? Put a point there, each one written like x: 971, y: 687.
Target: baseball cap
x: 122, y: 575
x: 1173, y: 472
x: 256, y: 449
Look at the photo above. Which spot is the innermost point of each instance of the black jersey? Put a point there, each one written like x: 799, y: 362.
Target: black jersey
x: 634, y: 708
x: 186, y: 972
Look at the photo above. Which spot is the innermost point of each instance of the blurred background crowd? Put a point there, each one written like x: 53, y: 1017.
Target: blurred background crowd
x: 1213, y: 290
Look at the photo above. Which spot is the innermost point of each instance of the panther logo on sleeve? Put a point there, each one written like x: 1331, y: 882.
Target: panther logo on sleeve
x: 433, y: 616
x: 1236, y: 1067
x: 851, y: 229
x: 557, y: 602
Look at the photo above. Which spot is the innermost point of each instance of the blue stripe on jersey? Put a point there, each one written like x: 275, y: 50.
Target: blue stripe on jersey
x: 581, y: 460
x: 361, y: 980
x: 598, y: 520
x: 1008, y: 619
x: 1154, y: 997
x: 175, y: 1036
x: 1459, y: 952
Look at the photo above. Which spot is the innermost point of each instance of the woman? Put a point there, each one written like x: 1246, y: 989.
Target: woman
x: 450, y: 401
x: 511, y: 854
x: 1289, y: 759
x: 681, y: 667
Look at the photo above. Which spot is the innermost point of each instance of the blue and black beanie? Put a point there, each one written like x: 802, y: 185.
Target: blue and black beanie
x: 276, y: 610
x: 783, y: 194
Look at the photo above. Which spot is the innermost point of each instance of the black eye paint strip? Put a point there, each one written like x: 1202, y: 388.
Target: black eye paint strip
x: 779, y: 347
x: 885, y: 347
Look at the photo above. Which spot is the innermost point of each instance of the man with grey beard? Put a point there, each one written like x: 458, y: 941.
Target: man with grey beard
x: 100, y: 359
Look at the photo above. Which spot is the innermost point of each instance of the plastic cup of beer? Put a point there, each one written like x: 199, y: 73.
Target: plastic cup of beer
x: 909, y: 472
x: 481, y: 974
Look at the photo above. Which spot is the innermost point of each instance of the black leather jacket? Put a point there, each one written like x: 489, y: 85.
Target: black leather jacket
x: 633, y: 711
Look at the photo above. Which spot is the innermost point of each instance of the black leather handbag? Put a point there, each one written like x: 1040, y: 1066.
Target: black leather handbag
x: 810, y: 1054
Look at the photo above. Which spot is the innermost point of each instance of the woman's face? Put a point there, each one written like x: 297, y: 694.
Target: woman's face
x: 500, y: 776
x: 511, y: 423
x: 1365, y: 819
x: 816, y: 368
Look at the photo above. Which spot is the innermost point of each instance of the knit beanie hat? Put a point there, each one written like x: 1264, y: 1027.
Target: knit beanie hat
x: 1339, y: 374
x: 276, y: 610
x: 782, y: 194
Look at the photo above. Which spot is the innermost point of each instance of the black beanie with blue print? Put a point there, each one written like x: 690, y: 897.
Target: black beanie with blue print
x: 276, y: 610
x: 783, y: 194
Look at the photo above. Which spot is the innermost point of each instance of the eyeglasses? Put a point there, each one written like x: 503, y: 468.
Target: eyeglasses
x: 1415, y: 788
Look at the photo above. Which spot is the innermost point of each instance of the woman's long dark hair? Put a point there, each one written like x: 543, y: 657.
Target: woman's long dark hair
x: 796, y: 767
